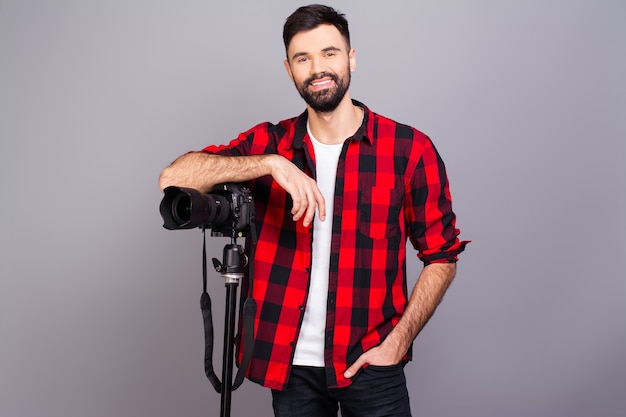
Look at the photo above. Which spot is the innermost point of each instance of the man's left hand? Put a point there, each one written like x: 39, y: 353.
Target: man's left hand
x: 383, y: 355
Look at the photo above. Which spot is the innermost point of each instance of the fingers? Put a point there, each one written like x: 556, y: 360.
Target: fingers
x: 375, y: 356
x: 303, y: 190
x: 304, y: 203
x: 321, y: 204
x: 358, y: 364
x: 352, y: 370
x: 298, y: 207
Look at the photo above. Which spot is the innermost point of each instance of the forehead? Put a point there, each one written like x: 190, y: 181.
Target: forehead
x: 316, y: 39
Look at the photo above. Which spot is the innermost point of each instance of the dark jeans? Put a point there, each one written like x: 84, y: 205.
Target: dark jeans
x: 376, y: 391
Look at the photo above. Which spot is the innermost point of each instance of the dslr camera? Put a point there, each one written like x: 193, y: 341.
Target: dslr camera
x: 227, y: 210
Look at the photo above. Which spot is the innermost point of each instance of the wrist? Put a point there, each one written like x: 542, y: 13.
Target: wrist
x: 267, y: 163
x: 397, y: 344
x: 271, y: 164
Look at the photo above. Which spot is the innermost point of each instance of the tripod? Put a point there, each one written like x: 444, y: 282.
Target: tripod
x: 232, y: 268
x: 228, y: 211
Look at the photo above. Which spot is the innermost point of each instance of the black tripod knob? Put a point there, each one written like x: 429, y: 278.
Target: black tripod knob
x: 234, y: 260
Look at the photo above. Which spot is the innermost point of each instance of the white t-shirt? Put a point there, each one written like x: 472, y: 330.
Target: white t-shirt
x: 310, y: 346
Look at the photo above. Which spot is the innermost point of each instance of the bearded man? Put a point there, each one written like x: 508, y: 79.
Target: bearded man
x: 338, y: 190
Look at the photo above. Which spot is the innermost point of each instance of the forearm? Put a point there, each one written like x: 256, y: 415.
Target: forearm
x: 202, y: 171
x: 426, y: 296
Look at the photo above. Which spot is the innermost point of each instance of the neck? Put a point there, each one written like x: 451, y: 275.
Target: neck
x: 335, y: 127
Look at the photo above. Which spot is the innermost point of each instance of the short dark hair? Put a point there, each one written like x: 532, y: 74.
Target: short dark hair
x: 309, y: 17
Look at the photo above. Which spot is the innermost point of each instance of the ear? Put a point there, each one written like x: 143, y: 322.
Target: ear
x: 288, y: 68
x: 352, y: 59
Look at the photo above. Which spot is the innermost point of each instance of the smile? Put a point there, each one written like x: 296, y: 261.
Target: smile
x: 323, y: 83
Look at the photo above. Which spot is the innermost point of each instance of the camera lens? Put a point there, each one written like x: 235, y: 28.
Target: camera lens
x: 181, y: 208
x: 184, y: 208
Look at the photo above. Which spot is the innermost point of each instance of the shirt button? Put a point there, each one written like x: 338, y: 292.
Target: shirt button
x: 301, y: 308
x: 307, y: 270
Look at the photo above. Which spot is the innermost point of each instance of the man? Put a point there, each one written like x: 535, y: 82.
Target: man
x: 337, y: 191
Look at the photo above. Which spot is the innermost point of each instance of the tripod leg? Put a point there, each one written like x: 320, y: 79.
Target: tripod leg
x: 229, y: 337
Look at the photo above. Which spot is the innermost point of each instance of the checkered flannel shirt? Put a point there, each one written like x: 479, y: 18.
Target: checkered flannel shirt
x: 391, y: 185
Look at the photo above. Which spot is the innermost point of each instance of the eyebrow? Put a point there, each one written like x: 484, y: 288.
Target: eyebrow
x: 328, y: 48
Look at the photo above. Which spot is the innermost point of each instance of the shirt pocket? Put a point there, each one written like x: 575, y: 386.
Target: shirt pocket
x: 379, y: 212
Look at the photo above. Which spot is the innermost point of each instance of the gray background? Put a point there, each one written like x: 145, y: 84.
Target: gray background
x: 525, y: 100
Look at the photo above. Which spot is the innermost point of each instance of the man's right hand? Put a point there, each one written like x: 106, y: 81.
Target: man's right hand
x: 303, y: 189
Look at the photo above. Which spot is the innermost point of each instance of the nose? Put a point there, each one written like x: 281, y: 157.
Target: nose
x: 316, y: 65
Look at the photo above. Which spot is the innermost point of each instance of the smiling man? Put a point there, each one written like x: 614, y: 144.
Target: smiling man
x: 338, y: 190
x: 320, y: 62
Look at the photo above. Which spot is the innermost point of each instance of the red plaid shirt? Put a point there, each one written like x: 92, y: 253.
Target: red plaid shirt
x: 391, y: 184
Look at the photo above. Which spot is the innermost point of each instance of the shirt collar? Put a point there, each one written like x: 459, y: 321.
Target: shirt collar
x: 364, y: 131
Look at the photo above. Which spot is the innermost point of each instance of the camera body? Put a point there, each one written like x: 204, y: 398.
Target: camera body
x: 228, y: 210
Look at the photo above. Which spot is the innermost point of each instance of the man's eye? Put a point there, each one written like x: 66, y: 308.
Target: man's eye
x: 302, y: 59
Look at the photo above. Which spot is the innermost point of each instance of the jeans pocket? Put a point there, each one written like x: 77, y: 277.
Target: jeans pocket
x: 384, y: 369
x: 378, y: 391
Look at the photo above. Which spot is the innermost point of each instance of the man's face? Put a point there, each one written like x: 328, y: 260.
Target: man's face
x: 320, y: 65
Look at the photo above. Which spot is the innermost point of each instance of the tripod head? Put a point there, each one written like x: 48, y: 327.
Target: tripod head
x: 233, y: 264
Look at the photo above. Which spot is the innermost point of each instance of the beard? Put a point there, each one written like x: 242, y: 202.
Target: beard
x: 327, y: 100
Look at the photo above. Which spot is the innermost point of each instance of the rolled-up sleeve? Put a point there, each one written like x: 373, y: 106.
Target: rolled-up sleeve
x: 432, y: 225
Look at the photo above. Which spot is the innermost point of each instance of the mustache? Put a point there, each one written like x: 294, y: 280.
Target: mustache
x: 321, y: 75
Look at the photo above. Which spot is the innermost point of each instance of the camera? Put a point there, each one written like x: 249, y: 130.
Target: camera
x: 228, y: 210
